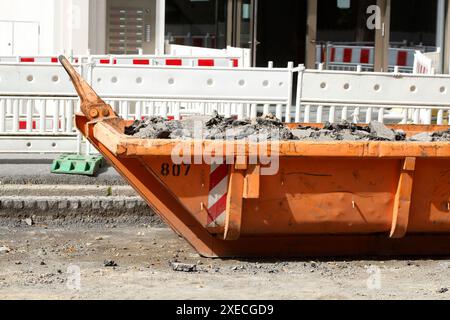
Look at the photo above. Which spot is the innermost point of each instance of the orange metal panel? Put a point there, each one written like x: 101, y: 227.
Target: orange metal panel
x: 329, y: 199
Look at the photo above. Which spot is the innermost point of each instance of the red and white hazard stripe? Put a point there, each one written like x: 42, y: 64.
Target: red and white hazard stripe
x: 217, y: 197
x: 170, y: 61
x: 352, y: 55
x: 39, y: 59
x: 23, y: 125
x: 365, y: 55
x: 138, y: 61
x: 32, y: 59
x: 401, y: 57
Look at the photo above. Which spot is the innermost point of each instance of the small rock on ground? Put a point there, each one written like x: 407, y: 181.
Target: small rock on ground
x: 110, y: 263
x: 4, y: 249
x: 183, y: 267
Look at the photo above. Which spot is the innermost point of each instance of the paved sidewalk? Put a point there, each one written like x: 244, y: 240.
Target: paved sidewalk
x: 29, y: 192
x: 35, y: 169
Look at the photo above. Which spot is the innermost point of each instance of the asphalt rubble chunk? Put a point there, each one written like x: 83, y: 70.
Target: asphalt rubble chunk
x: 346, y: 131
x: 4, y: 249
x: 110, y: 263
x: 440, y: 136
x: 216, y: 127
x: 269, y: 128
x: 183, y: 267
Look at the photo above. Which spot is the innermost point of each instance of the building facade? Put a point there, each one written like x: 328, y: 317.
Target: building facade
x: 280, y: 31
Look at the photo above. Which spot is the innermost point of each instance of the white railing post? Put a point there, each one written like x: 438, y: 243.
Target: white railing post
x: 416, y: 116
x: 2, y: 114
x: 42, y: 115
x: 356, y: 113
x: 307, y: 113
x: 176, y: 110
x: 70, y: 116
x: 124, y: 110
x: 253, y: 111
x: 228, y: 110
x: 63, y: 104
x: 344, y: 116
x: 279, y: 112
x: 404, y: 116
x: 332, y: 115
x: 163, y: 109
x: 369, y: 115
x: 289, y: 101
x: 15, y: 110
x: 29, y: 113
x: 138, y: 113
x: 381, y: 115
x: 55, y: 120
x: 298, y: 98
x: 240, y: 111
x: 319, y: 116
x: 440, y: 117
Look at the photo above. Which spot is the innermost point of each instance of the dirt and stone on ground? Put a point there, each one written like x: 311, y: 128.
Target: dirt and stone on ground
x: 268, y: 128
x: 142, y: 262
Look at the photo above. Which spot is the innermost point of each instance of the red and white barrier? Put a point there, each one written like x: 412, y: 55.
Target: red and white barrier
x: 33, y: 59
x: 171, y: 61
x: 363, y: 55
x: 353, y: 55
x: 143, y: 60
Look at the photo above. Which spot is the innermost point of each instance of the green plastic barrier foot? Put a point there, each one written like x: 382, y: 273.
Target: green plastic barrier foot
x: 77, y: 164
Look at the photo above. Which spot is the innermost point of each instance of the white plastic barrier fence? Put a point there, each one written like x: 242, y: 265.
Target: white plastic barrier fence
x: 37, y: 101
x: 37, y: 105
x: 182, y: 91
x: 435, y: 60
x: 243, y: 54
x: 361, y: 97
x: 188, y: 61
x: 230, y: 57
x: 427, y: 63
x: 37, y: 59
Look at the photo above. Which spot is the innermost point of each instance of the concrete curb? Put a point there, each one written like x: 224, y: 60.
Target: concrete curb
x: 29, y: 190
x: 61, y: 210
x: 65, y: 190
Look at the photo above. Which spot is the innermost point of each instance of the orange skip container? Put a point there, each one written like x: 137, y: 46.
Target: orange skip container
x: 326, y: 199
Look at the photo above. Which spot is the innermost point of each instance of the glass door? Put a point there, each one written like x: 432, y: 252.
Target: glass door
x: 243, y: 25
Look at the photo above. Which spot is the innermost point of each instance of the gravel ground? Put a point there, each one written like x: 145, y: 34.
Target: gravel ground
x: 134, y: 262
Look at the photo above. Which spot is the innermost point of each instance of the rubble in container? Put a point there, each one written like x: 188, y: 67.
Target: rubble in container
x: 264, y: 128
x: 440, y: 136
x: 269, y: 127
x: 157, y: 128
x: 347, y: 131
x: 216, y: 127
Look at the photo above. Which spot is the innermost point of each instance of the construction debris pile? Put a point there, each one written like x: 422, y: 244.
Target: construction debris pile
x: 269, y: 127
x: 263, y: 128
x: 213, y: 128
x: 347, y: 131
x: 157, y: 128
x: 439, y: 136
